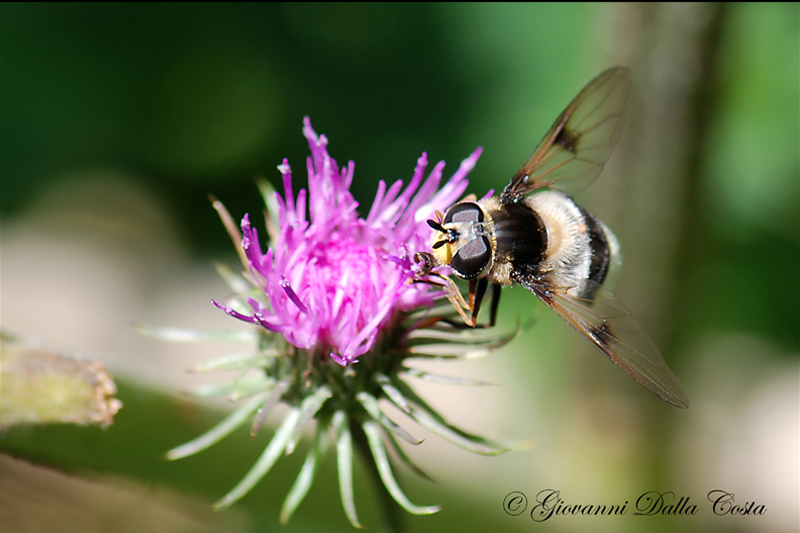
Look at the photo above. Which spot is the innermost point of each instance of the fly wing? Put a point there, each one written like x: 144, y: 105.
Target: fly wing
x: 611, y: 329
x: 578, y: 144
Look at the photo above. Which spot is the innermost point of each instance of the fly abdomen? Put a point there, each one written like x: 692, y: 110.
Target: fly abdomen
x: 598, y: 242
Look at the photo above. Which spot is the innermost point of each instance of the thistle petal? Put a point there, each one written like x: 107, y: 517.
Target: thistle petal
x: 432, y: 421
x: 270, y: 402
x: 271, y: 454
x: 444, y: 380
x: 372, y: 431
x: 309, y: 408
x: 370, y: 405
x: 306, y: 476
x: 398, y: 451
x: 218, y: 432
x: 344, y: 463
x: 192, y: 335
x: 235, y: 361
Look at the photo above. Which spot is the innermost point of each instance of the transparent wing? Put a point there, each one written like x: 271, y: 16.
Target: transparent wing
x: 580, y: 141
x: 609, y: 326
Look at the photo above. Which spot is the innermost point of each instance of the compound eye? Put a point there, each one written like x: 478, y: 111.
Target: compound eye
x: 470, y: 260
x: 464, y: 212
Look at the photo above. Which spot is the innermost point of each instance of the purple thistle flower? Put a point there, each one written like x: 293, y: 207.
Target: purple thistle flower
x: 332, y: 280
x: 337, y: 317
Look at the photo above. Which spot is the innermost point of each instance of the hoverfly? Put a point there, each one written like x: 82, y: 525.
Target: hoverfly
x: 537, y: 236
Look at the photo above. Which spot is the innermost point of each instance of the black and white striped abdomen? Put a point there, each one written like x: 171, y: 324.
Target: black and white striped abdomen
x: 580, y: 251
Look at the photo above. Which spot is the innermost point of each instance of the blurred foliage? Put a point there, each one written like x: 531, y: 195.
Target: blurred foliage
x: 192, y: 99
x: 749, y: 190
x: 201, y: 98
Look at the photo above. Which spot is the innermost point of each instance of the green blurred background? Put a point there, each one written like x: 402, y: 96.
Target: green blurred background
x: 119, y: 120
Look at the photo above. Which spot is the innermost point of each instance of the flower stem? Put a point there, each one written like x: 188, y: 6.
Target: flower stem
x: 391, y: 513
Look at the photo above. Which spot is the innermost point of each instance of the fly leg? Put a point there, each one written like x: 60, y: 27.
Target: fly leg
x: 477, y: 290
x: 495, y: 303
